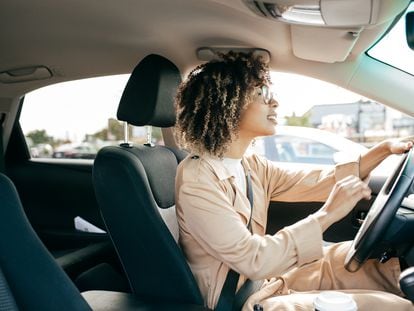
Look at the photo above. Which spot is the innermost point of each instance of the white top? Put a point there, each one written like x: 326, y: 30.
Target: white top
x: 235, y: 168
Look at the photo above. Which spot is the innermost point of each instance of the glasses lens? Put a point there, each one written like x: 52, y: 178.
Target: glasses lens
x: 265, y: 92
x: 267, y: 95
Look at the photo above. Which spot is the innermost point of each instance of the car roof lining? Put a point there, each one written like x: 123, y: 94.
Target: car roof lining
x: 110, y: 38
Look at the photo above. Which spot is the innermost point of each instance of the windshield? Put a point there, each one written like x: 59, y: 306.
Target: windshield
x: 393, y: 48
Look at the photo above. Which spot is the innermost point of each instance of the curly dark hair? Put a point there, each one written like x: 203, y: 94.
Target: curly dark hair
x: 210, y: 101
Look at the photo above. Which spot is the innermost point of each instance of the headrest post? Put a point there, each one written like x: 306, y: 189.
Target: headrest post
x: 126, y: 142
x: 126, y: 134
x: 149, y: 136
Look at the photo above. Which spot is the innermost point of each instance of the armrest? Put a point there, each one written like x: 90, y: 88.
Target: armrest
x: 82, y: 259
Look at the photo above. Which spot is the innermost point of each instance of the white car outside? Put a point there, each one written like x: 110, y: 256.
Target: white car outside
x: 303, y: 147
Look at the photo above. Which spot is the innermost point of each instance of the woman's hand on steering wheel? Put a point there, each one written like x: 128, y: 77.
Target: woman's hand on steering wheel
x: 400, y: 146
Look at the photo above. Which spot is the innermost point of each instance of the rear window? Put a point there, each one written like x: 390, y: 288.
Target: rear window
x: 75, y: 119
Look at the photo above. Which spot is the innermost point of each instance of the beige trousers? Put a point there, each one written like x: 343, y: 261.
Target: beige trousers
x: 374, y: 286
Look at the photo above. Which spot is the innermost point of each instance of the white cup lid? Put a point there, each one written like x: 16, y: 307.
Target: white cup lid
x: 334, y: 301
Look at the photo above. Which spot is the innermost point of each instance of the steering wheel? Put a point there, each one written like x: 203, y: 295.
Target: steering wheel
x: 381, y: 213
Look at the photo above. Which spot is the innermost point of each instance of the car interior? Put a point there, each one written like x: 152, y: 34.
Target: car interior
x: 127, y: 190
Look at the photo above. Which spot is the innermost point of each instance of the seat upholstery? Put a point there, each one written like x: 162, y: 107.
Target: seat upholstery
x: 30, y: 279
x: 135, y: 190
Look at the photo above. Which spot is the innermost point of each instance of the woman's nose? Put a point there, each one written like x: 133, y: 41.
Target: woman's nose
x: 274, y: 103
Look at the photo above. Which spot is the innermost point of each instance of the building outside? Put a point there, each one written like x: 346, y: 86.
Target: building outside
x: 362, y: 121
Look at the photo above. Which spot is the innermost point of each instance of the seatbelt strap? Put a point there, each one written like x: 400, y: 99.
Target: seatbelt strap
x: 248, y: 288
x: 2, y: 167
x: 250, y: 197
x: 228, y: 292
x: 227, y: 300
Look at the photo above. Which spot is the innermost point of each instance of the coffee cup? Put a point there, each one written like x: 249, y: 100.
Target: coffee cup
x: 334, y: 301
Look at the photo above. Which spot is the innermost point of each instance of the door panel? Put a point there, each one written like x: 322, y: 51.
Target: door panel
x: 54, y: 193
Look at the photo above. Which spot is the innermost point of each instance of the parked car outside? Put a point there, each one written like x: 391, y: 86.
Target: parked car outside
x: 305, y: 147
x: 75, y: 151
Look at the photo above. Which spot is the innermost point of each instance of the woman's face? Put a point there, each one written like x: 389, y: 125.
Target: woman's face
x: 259, y: 117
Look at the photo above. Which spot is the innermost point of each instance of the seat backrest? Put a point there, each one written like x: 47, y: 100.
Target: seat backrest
x: 30, y: 279
x: 135, y: 190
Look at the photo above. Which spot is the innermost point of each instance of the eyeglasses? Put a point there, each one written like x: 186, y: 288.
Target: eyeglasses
x: 266, y: 94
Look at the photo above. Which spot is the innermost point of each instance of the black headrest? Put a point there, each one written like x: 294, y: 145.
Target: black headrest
x: 148, y: 98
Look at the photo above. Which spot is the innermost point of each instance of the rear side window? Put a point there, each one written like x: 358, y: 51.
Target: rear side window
x: 75, y: 119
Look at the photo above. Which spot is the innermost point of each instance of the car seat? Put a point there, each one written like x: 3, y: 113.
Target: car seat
x: 135, y: 188
x: 30, y: 278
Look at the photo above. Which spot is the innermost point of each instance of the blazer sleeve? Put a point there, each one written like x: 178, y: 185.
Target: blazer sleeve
x: 300, y: 185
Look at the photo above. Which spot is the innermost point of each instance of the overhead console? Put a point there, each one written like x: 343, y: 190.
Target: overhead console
x: 328, y: 13
x: 327, y: 30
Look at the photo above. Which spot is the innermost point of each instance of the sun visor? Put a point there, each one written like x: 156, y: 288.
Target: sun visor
x: 327, y: 45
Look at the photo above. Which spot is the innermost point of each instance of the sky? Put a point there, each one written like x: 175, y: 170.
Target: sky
x: 297, y: 94
x: 68, y: 106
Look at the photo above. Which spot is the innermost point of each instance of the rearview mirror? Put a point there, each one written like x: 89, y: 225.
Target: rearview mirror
x: 409, y: 29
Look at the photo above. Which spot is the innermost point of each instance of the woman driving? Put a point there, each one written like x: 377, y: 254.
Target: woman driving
x: 222, y: 197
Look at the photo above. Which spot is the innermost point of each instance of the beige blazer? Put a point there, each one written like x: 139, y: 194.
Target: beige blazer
x: 212, y: 216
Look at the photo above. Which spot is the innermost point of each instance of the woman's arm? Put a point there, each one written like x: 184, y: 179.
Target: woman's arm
x: 315, y: 185
x: 299, y: 185
x: 347, y: 192
x: 379, y: 152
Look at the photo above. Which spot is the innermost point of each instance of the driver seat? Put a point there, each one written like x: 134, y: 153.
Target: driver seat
x: 135, y: 189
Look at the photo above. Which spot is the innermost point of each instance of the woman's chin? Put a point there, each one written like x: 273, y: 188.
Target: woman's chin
x: 268, y: 132
x: 272, y: 130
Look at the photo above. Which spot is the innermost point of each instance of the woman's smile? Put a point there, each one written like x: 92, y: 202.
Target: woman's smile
x: 272, y: 117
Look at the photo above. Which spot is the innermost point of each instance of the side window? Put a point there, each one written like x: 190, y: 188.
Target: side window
x: 287, y: 148
x: 75, y: 119
x: 305, y: 150
x: 322, y: 124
